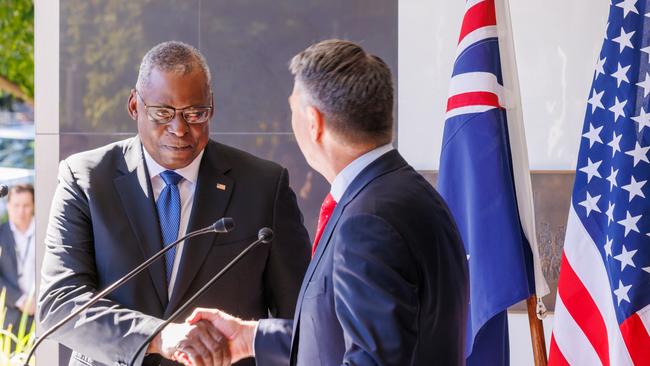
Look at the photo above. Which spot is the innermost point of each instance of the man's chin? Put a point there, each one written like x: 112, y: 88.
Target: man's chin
x: 177, y: 160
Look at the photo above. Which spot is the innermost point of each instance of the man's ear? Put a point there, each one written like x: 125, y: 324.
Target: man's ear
x: 132, y: 105
x: 316, y: 122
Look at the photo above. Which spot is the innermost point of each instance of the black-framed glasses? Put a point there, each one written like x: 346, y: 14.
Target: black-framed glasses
x: 195, y: 114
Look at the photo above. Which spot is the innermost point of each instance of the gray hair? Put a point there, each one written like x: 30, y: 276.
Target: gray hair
x: 172, y: 56
x: 353, y: 89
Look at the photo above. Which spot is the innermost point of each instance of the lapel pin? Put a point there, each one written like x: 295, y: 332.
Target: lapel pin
x: 221, y: 186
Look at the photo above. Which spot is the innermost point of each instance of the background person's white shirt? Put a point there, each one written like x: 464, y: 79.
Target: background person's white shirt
x: 186, y: 188
x: 25, y: 261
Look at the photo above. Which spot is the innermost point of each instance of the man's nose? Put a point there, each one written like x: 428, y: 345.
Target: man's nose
x: 178, y: 126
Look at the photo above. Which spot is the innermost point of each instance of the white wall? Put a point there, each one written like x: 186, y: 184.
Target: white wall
x: 556, y: 45
x: 46, y: 115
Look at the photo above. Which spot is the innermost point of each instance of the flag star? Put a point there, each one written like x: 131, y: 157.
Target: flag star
x: 629, y: 222
x: 624, y: 40
x: 617, y: 108
x: 635, y: 188
x: 608, y: 247
x: 591, y: 204
x: 646, y: 49
x: 600, y: 67
x: 593, y: 135
x: 647, y: 269
x: 612, y: 179
x: 621, y: 292
x: 628, y: 6
x: 643, y: 119
x: 638, y: 153
x: 626, y: 258
x: 595, y: 100
x: 610, y: 213
x: 591, y: 169
x: 645, y: 84
x: 621, y: 74
x: 615, y: 144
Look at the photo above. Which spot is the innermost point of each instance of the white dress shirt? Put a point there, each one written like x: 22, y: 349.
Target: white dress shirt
x: 347, y: 175
x: 25, y: 260
x: 186, y: 189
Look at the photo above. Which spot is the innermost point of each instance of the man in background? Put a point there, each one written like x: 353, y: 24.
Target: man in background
x: 17, y: 256
x: 388, y: 281
x: 117, y: 205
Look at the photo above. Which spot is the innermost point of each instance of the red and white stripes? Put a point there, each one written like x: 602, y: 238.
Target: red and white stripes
x: 585, y: 330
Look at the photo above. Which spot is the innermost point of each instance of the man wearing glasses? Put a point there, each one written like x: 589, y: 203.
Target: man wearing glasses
x: 117, y: 205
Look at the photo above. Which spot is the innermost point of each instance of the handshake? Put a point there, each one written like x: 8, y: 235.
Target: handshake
x: 209, y: 337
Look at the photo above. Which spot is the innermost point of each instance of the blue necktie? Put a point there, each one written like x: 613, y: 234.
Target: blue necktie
x: 169, y: 212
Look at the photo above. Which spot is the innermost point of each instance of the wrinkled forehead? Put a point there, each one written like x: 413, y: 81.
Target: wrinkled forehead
x: 177, y: 88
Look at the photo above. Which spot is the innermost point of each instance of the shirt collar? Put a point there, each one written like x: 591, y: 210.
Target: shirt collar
x: 347, y: 175
x: 189, y: 173
x: 30, y: 228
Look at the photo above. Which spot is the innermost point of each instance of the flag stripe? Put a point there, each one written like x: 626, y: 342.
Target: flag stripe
x: 579, y: 303
x: 472, y: 98
x: 476, y: 36
x: 556, y: 357
x: 478, y: 16
x: 637, y: 339
x: 469, y: 110
x: 476, y: 81
x: 583, y: 256
x: 571, y: 342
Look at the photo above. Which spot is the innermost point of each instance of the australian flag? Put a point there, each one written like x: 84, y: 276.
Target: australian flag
x: 477, y: 180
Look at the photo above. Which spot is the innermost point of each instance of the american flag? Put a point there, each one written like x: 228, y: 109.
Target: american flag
x: 484, y: 179
x: 602, y: 313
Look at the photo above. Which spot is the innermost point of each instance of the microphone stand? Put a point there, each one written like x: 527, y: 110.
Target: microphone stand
x: 223, y: 225
x: 265, y: 235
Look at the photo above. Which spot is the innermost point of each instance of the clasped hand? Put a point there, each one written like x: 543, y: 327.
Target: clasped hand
x: 209, y: 337
x: 196, y: 344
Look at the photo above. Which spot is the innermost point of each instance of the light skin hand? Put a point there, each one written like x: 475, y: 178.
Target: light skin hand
x: 197, y: 344
x: 239, y: 333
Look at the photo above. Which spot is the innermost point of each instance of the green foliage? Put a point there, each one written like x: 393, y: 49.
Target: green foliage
x: 17, y: 45
x: 14, y: 345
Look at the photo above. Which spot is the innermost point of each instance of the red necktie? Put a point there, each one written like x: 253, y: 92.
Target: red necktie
x: 326, y: 210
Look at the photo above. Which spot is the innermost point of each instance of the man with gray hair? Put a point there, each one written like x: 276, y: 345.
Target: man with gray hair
x: 387, y: 284
x: 117, y: 205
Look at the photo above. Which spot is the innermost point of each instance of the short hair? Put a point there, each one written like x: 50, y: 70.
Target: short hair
x: 172, y: 56
x: 352, y: 88
x: 20, y: 188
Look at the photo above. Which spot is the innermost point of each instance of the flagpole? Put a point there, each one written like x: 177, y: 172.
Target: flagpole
x: 536, y: 332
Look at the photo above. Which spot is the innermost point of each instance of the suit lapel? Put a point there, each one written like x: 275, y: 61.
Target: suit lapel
x: 211, y: 198
x: 140, y: 209
x: 384, y: 164
x: 9, y: 252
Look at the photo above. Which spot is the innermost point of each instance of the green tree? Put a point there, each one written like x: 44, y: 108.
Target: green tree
x: 17, y: 49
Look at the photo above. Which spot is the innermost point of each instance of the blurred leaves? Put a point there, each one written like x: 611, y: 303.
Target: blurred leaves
x: 17, y: 48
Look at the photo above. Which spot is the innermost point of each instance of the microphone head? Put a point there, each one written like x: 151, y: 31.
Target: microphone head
x: 3, y: 190
x: 224, y: 225
x: 265, y: 235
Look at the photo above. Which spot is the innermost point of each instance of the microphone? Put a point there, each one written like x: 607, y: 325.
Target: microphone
x: 223, y: 225
x: 3, y: 190
x: 265, y: 235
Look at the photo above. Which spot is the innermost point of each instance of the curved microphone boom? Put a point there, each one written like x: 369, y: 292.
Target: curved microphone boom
x: 265, y: 235
x: 223, y: 225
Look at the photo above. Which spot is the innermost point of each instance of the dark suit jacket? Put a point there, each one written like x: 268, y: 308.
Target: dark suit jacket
x: 388, y: 284
x: 102, y: 224
x: 9, y: 278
